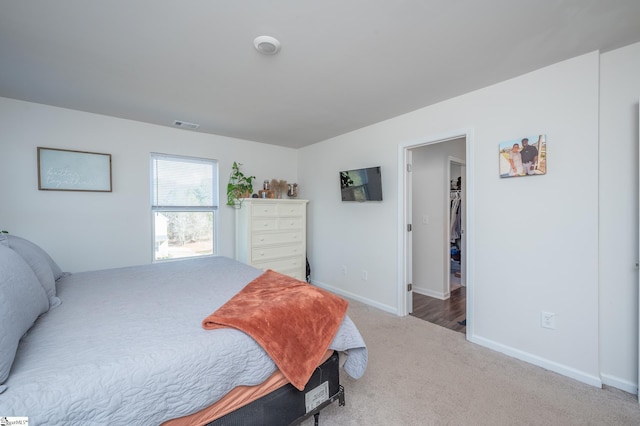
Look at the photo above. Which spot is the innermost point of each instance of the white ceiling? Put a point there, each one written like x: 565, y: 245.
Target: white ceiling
x: 344, y: 64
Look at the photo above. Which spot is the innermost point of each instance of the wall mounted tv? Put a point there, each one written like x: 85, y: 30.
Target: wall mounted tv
x: 361, y: 184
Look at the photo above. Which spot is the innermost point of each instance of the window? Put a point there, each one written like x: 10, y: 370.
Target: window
x: 184, y: 202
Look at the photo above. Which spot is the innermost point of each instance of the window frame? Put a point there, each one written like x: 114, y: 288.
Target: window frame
x: 214, y: 208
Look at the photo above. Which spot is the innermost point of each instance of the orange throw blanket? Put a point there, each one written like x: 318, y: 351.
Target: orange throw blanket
x: 293, y: 321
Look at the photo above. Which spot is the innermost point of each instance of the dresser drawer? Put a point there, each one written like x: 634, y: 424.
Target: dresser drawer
x: 275, y: 224
x: 266, y: 253
x: 290, y: 223
x: 281, y: 265
x: 298, y: 274
x: 264, y: 224
x: 286, y: 209
x: 270, y: 238
x: 278, y: 210
x: 264, y: 209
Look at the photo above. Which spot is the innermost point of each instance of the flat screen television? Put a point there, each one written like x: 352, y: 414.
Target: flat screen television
x: 361, y: 184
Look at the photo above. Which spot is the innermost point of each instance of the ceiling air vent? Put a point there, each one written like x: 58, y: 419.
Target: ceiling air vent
x: 185, y: 124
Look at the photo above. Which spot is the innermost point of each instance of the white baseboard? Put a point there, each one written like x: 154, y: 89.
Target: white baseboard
x: 340, y: 292
x: 570, y: 372
x: 426, y: 292
x: 618, y: 383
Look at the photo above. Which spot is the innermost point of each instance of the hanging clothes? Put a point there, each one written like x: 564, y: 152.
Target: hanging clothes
x: 455, y: 222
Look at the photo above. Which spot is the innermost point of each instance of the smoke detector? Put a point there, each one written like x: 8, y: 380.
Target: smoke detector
x: 185, y: 124
x: 267, y: 45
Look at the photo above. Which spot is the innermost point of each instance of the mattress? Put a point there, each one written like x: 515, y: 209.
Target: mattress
x: 288, y: 405
x: 127, y: 346
x: 241, y: 397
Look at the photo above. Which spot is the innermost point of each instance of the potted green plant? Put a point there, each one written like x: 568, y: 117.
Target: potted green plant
x: 239, y: 186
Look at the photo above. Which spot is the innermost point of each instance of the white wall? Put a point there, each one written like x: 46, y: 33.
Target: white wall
x: 84, y: 230
x: 360, y: 236
x: 619, y: 93
x: 430, y: 189
x: 524, y: 249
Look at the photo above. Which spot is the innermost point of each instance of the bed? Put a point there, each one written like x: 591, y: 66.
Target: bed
x: 127, y: 345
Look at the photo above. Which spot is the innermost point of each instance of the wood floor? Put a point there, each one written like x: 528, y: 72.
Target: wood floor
x: 446, y: 313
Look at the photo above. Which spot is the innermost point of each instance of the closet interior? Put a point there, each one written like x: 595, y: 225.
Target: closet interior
x: 455, y: 232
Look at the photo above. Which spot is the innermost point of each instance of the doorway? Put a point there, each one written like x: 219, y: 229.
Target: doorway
x: 424, y: 208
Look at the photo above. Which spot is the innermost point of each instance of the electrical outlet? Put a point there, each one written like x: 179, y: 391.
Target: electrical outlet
x: 548, y: 320
x: 344, y: 269
x: 365, y: 275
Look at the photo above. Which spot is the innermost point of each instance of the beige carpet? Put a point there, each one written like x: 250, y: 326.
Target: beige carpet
x: 423, y: 374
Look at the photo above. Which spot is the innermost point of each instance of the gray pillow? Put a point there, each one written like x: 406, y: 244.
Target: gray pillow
x: 41, y: 263
x: 22, y: 300
x: 57, y: 272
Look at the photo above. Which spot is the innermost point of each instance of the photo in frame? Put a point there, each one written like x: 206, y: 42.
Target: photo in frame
x: 68, y: 170
x: 525, y: 156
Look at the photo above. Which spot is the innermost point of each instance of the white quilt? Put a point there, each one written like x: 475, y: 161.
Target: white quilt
x: 126, y: 346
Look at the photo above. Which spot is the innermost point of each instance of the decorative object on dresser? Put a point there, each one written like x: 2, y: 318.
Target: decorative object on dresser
x: 278, y: 187
x: 293, y: 190
x: 271, y: 234
x: 239, y: 186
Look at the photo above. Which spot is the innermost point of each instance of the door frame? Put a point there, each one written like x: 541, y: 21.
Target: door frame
x: 404, y: 262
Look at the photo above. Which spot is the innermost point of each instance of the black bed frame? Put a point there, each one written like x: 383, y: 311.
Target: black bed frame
x: 289, y: 406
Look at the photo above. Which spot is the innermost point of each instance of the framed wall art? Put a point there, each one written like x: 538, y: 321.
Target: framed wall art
x: 525, y: 156
x: 68, y: 170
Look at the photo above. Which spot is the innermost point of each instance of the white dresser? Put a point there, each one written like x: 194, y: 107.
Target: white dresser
x: 272, y: 234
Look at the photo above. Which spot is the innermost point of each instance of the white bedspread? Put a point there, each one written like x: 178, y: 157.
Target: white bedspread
x: 126, y: 346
